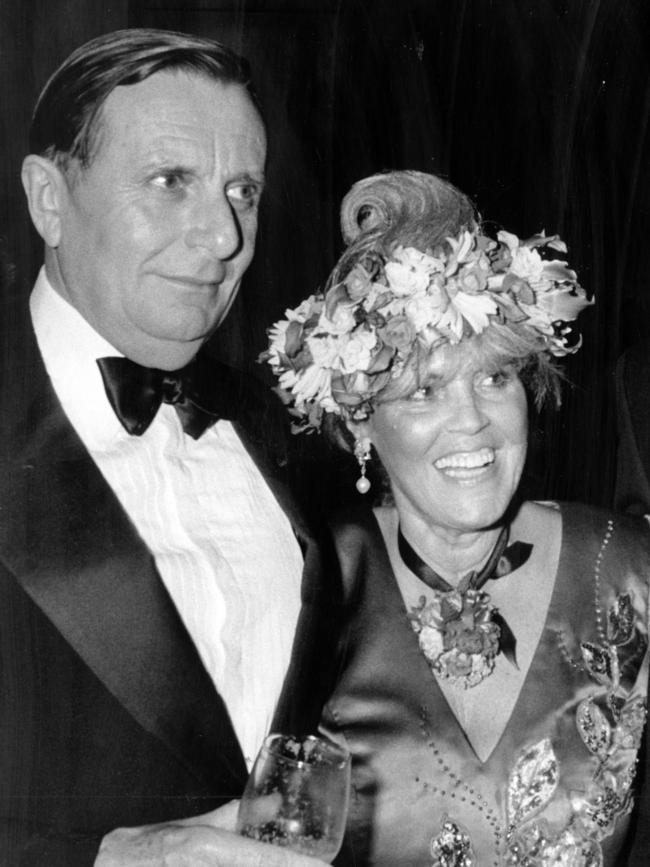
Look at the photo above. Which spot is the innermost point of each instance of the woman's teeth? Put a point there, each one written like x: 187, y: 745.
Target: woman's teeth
x: 465, y: 460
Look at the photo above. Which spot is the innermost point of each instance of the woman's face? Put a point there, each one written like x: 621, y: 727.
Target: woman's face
x: 455, y: 450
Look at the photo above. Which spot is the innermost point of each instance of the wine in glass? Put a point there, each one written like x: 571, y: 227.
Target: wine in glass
x: 297, y: 795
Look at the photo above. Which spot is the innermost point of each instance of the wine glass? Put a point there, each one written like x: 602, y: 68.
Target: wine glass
x: 297, y: 795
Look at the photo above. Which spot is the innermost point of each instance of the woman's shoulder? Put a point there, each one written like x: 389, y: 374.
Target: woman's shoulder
x: 582, y: 517
x: 359, y: 543
x: 615, y: 544
x: 591, y: 532
x: 590, y: 520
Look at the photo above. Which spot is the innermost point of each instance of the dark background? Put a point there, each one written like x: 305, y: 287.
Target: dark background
x: 537, y: 108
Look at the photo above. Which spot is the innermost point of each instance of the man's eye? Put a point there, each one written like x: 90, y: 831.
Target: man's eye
x: 244, y: 195
x: 169, y: 181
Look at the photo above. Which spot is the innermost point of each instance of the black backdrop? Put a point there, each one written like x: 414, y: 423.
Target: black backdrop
x: 537, y: 108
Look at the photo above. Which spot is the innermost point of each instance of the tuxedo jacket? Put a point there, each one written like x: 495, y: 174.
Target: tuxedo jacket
x: 107, y: 716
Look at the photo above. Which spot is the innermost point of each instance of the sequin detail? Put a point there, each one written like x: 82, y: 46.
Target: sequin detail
x: 611, y: 727
x: 451, y: 847
x: 532, y: 783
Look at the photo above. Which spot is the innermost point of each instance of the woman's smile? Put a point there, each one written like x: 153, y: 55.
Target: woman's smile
x: 465, y: 460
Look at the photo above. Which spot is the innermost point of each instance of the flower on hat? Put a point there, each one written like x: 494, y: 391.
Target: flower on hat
x: 338, y: 349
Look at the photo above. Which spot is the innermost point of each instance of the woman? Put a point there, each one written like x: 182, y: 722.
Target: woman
x: 493, y: 662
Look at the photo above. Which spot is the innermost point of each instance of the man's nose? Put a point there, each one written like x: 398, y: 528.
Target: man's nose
x: 215, y: 227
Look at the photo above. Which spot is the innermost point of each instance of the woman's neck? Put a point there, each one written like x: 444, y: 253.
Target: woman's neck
x: 449, y: 552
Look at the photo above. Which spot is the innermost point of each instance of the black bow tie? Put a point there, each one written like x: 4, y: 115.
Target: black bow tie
x: 136, y: 392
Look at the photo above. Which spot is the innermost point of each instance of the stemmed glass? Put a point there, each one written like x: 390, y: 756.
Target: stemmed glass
x: 297, y: 795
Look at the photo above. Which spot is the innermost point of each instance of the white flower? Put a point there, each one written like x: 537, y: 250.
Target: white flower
x: 355, y: 353
x: 537, y: 318
x: 374, y: 292
x: 511, y: 241
x: 313, y: 385
x: 409, y: 271
x: 475, y: 309
x: 330, y: 405
x: 462, y: 250
x: 287, y: 379
x: 396, y: 307
x: 430, y: 640
x: 305, y: 309
x: 417, y: 259
x: 425, y: 310
x: 527, y: 264
x: 324, y: 349
x: 277, y: 340
x: 561, y: 303
x: 342, y: 321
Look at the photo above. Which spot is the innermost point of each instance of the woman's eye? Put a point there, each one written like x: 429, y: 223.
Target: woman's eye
x: 425, y: 392
x: 498, y: 379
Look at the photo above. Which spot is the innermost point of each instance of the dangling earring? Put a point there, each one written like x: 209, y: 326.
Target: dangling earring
x: 362, y: 454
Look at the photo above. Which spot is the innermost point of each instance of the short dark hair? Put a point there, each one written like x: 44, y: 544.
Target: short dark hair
x: 66, y: 119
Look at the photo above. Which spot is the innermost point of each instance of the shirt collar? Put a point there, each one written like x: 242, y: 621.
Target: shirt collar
x: 70, y: 347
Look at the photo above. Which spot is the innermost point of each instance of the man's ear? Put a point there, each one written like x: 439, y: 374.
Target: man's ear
x: 46, y: 190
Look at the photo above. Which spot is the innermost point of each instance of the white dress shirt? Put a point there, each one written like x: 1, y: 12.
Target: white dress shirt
x: 223, y: 547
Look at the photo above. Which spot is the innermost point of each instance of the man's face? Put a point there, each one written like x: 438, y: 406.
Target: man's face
x: 157, y: 233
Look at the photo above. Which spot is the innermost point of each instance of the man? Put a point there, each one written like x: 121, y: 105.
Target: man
x: 151, y: 562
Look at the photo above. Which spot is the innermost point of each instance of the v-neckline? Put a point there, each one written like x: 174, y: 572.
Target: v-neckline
x: 485, y: 719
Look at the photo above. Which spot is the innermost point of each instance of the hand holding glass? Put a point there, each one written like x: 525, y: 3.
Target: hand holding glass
x: 297, y: 795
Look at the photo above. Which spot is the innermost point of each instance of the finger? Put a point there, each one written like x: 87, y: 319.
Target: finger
x: 237, y: 851
x: 223, y: 817
x: 192, y: 846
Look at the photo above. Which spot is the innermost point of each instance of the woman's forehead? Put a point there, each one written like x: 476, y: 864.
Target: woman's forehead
x: 468, y: 356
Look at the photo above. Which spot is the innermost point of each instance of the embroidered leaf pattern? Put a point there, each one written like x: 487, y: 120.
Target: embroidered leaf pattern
x: 616, y: 704
x: 532, y: 782
x: 569, y: 850
x: 601, y: 663
x: 620, y: 620
x: 630, y: 724
x: 594, y: 728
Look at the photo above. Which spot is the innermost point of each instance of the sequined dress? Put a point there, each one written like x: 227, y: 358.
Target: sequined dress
x: 558, y: 787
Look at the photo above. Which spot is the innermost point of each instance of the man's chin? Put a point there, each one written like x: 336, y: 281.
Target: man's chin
x: 165, y: 353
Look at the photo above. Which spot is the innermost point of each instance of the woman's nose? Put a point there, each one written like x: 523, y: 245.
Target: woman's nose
x: 215, y: 227
x: 467, y: 413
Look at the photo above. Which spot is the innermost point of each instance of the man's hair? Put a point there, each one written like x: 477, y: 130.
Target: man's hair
x: 67, y: 118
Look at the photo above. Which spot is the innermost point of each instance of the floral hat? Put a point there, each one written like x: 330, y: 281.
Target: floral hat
x: 339, y: 348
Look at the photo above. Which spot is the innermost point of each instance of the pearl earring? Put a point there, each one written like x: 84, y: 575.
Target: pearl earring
x: 362, y: 454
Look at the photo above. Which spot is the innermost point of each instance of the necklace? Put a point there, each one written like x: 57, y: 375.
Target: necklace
x: 460, y: 632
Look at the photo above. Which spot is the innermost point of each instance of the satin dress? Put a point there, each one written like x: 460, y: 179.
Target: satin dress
x: 557, y: 787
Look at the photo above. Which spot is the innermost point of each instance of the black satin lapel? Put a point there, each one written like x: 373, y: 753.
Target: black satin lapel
x: 312, y: 671
x: 68, y: 542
